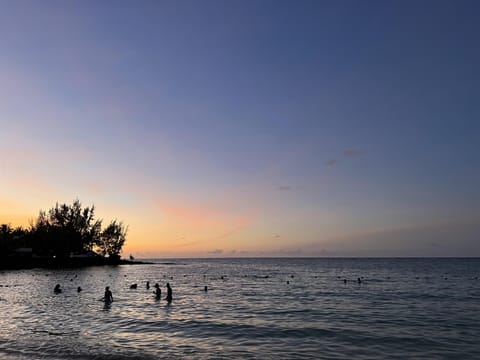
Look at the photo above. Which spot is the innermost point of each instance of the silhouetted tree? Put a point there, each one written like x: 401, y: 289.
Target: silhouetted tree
x: 12, y: 238
x: 73, y: 226
x: 5, y: 235
x: 112, y: 239
x: 5, y: 231
x: 67, y: 229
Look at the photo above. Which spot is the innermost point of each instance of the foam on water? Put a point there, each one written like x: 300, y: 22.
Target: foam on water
x: 254, y: 308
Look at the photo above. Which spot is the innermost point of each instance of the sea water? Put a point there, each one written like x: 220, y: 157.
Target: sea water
x: 254, y: 308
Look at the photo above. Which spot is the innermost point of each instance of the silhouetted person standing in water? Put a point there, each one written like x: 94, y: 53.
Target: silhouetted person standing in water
x: 158, y: 292
x: 148, y: 285
x: 57, y: 289
x: 169, y: 293
x: 108, y: 297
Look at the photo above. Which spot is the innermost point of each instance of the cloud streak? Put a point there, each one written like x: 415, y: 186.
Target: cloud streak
x: 352, y: 153
x: 433, y: 239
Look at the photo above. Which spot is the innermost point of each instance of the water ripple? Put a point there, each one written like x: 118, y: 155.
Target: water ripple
x: 402, y: 309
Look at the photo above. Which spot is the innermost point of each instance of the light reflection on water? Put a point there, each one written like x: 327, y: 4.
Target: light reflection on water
x: 403, y: 308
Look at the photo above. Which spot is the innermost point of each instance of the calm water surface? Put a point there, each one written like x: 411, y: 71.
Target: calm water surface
x: 254, y: 308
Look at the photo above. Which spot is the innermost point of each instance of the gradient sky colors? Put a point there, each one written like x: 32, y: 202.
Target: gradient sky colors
x: 248, y: 128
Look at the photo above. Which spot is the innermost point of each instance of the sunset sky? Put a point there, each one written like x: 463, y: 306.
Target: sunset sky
x: 247, y: 128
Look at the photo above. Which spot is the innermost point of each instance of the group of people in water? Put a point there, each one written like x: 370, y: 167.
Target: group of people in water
x: 108, y: 296
x: 158, y: 291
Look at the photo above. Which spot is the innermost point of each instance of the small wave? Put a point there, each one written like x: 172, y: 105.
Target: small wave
x: 56, y: 333
x: 237, y: 330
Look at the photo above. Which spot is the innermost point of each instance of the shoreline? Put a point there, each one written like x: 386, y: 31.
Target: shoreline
x: 14, y: 263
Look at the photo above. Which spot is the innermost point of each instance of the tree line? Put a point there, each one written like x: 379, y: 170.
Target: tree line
x: 64, y: 231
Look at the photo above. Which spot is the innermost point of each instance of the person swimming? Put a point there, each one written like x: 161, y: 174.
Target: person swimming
x: 57, y: 289
x: 158, y: 292
x: 169, y: 293
x: 108, y: 297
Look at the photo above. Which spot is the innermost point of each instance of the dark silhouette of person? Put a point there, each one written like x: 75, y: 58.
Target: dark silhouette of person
x: 148, y: 285
x: 169, y: 293
x: 108, y: 297
x: 359, y: 280
x: 158, y: 292
x: 79, y: 289
x: 205, y: 288
x: 57, y: 289
x: 133, y: 286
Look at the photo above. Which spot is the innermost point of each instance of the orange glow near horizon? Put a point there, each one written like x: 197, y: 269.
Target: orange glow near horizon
x: 164, y: 229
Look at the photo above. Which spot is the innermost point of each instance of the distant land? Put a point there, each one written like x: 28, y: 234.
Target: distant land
x: 65, y: 236
x: 18, y: 263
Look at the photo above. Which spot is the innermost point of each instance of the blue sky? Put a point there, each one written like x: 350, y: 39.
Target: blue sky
x: 248, y: 127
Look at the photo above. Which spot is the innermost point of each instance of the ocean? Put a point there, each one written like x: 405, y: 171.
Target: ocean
x: 286, y: 308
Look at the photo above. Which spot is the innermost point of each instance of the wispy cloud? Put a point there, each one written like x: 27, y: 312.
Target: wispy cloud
x: 348, y: 153
x: 435, y: 239
x: 216, y: 252
x: 351, y: 152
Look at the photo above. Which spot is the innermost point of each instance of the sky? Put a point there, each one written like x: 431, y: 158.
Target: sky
x: 247, y: 128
